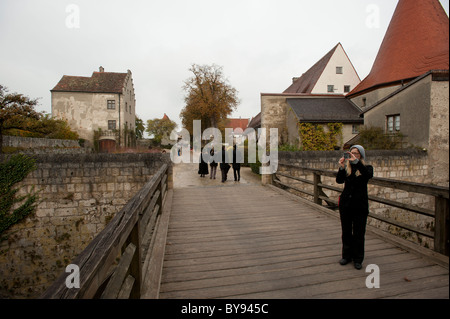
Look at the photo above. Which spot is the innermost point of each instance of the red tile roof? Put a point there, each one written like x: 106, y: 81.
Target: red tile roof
x: 236, y: 123
x: 416, y: 42
x: 99, y: 82
x: 308, y: 80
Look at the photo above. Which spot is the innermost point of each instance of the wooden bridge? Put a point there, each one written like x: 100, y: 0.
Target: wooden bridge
x: 207, y: 239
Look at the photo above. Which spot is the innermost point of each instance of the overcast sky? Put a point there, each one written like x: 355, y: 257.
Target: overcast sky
x: 261, y: 44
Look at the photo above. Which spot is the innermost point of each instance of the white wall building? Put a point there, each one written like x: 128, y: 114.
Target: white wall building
x: 105, y: 101
x: 333, y: 74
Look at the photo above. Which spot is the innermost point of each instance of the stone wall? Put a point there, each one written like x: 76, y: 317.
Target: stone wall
x: 79, y: 195
x: 33, y: 142
x: 404, y: 165
x: 35, y: 145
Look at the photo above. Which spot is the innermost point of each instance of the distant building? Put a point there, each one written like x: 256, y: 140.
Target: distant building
x: 333, y: 74
x: 105, y: 101
x: 255, y: 122
x: 237, y: 123
x: 317, y: 97
x: 166, y: 141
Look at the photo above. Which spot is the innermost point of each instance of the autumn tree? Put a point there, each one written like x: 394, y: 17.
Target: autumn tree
x: 160, y: 128
x: 15, y: 110
x: 18, y: 118
x: 45, y: 127
x: 209, y: 97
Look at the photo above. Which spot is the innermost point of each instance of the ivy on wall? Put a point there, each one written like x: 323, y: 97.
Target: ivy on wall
x: 314, y: 138
x: 14, y: 208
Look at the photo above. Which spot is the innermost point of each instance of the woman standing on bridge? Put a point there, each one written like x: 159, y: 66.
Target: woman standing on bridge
x: 354, y: 204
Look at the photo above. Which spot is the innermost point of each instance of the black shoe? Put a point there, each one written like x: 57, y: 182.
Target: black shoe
x: 358, y: 265
x: 344, y: 261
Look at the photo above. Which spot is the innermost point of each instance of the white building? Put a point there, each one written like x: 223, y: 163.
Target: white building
x: 105, y: 101
x: 333, y: 74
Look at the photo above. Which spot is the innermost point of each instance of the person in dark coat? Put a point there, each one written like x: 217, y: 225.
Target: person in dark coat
x: 202, y: 167
x: 224, y: 166
x: 236, y: 166
x: 354, y: 204
x: 213, y: 165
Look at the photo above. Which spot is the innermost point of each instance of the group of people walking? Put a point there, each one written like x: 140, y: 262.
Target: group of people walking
x: 224, y: 165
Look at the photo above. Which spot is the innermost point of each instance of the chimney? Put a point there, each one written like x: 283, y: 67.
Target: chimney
x: 101, y: 69
x: 295, y: 79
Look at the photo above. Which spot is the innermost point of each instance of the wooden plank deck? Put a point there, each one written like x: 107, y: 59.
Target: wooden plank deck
x: 248, y: 241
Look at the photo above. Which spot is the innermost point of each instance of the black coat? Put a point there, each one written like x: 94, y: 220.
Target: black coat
x: 202, y: 166
x: 354, y: 196
x: 236, y: 165
x: 225, y: 159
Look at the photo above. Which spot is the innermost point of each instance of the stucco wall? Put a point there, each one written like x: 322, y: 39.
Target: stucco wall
x: 88, y: 112
x: 413, y: 105
x: 373, y: 96
x: 85, y: 112
x: 329, y: 76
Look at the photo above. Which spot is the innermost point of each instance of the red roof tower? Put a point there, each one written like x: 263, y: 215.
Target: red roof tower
x: 417, y: 41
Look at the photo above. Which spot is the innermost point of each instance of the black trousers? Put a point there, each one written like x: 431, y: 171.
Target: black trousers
x: 224, y: 170
x: 237, y: 172
x: 353, y: 223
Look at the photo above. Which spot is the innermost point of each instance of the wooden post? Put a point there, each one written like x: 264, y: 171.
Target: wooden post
x: 136, y: 265
x: 317, y: 189
x: 441, y: 230
x: 266, y: 179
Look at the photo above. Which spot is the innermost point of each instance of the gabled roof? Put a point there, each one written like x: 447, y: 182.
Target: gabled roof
x: 306, y: 83
x: 325, y: 110
x: 99, y: 82
x: 417, y: 41
x: 255, y: 121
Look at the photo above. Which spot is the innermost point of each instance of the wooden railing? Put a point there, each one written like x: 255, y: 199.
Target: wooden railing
x: 114, y: 264
x: 440, y: 194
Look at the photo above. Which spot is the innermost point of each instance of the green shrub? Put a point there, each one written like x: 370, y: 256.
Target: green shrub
x: 374, y: 138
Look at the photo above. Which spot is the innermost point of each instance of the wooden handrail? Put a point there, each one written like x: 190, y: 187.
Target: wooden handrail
x: 127, y: 237
x: 441, y: 195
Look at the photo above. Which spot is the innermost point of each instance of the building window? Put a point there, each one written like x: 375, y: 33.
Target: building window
x: 355, y: 129
x: 393, y: 123
x: 346, y: 88
x: 111, y: 125
x: 364, y: 102
x: 339, y: 70
x: 111, y: 104
x: 330, y: 88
